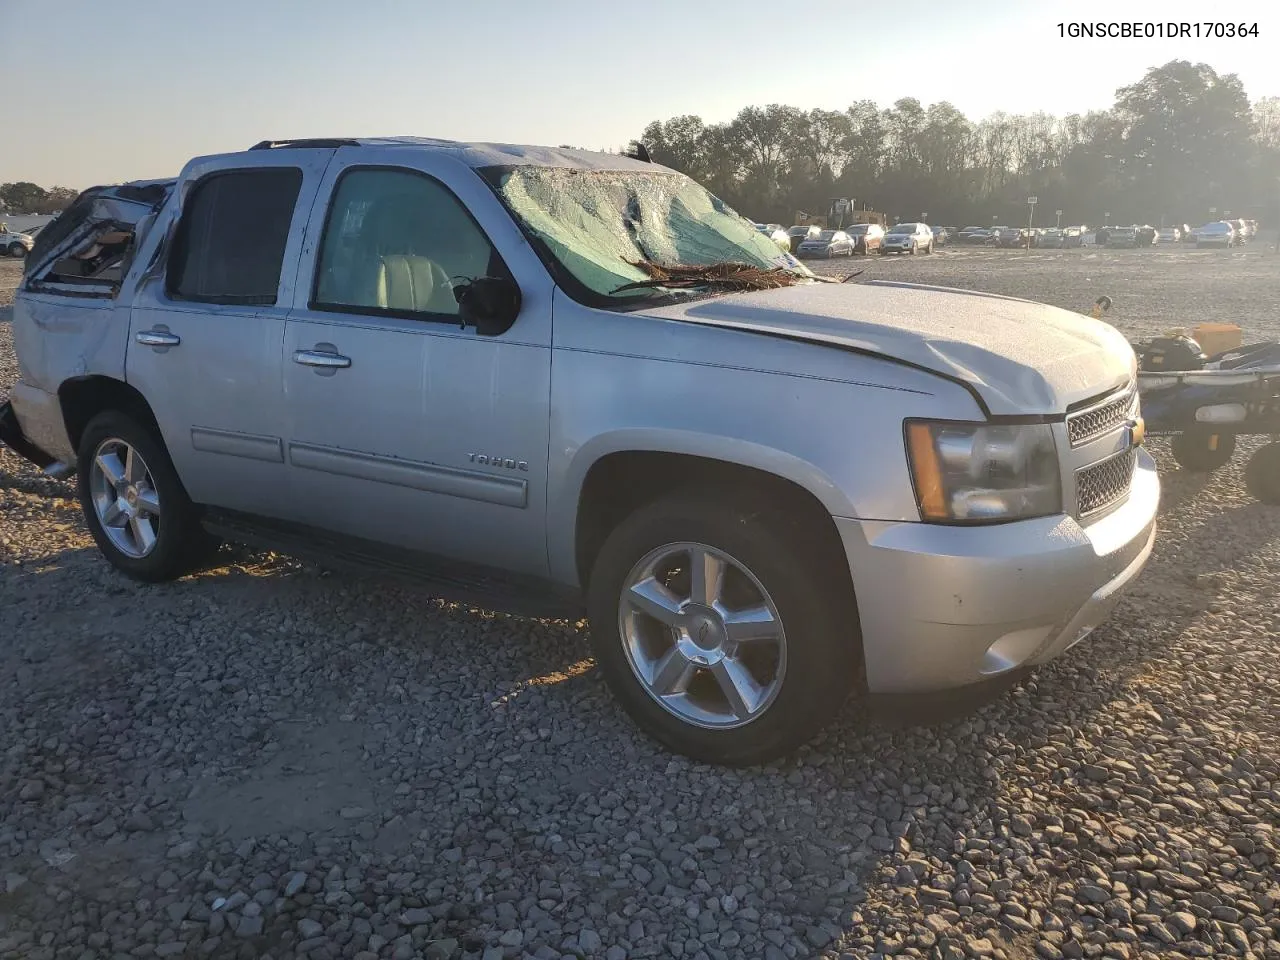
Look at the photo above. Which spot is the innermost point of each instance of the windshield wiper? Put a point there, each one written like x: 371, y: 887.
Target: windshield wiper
x: 726, y: 276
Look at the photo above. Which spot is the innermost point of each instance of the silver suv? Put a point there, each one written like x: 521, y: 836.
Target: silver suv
x: 563, y: 382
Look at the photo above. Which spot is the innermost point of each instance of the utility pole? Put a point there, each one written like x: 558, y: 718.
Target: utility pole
x: 1058, y: 222
x: 1031, y: 215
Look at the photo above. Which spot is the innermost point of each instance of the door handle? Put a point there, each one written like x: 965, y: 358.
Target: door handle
x: 157, y: 338
x: 321, y: 358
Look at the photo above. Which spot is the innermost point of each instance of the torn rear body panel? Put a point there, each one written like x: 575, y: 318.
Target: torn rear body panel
x: 69, y: 322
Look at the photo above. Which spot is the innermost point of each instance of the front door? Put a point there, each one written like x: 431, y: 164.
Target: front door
x: 207, y: 325
x: 404, y: 428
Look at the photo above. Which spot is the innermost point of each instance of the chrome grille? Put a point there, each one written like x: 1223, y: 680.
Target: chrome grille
x: 1105, y: 482
x: 1088, y: 424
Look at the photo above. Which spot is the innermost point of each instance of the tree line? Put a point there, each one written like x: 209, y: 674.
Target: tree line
x: 1180, y: 142
x: 29, y: 198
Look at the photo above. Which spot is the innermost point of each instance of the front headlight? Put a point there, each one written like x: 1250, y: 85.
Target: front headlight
x: 983, y: 473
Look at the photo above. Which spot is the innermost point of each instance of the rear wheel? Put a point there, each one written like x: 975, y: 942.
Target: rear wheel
x: 1262, y: 474
x: 1203, y: 451
x: 719, y: 631
x: 17, y: 250
x: 134, y: 504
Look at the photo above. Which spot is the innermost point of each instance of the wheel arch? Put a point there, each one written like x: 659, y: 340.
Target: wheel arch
x: 83, y: 398
x: 619, y: 472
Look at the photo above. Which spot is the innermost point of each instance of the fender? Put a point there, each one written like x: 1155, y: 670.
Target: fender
x: 565, y: 490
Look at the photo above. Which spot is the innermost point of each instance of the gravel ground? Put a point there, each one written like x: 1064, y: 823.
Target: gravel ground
x: 268, y: 761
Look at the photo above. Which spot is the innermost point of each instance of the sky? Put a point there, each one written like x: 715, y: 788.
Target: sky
x: 134, y: 88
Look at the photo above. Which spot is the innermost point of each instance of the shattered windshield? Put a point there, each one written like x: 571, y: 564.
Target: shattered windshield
x: 618, y: 235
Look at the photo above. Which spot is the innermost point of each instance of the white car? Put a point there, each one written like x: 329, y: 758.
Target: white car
x: 15, y: 244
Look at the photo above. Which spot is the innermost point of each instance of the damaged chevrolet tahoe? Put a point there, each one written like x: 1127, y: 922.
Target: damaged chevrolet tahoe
x: 558, y: 382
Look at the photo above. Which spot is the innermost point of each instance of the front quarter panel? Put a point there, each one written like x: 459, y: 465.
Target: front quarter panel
x: 826, y: 419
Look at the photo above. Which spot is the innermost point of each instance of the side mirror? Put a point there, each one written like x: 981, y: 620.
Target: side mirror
x: 490, y: 304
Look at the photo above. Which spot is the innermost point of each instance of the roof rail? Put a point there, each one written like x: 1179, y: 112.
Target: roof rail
x: 317, y: 142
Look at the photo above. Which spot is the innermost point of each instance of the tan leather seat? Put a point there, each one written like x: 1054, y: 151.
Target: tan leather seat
x: 407, y: 282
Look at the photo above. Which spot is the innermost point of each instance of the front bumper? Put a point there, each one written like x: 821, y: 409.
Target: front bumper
x: 948, y: 606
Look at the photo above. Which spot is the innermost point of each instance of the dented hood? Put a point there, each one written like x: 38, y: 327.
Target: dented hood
x: 1018, y: 356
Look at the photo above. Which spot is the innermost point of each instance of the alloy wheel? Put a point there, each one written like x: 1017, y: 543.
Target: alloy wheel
x: 702, y: 635
x: 125, y: 498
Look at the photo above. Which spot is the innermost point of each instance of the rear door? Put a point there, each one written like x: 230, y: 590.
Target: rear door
x: 208, y: 319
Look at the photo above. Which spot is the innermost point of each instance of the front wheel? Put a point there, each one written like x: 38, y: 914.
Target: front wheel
x: 135, y: 506
x: 718, y: 629
x: 17, y: 250
x: 1202, y: 451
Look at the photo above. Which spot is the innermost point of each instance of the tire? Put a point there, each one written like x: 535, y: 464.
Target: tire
x: 1262, y: 474
x: 176, y: 544
x: 912, y: 249
x: 17, y: 250
x: 1202, y: 451
x: 820, y: 646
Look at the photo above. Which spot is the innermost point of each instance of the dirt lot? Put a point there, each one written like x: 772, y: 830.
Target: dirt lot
x: 264, y: 760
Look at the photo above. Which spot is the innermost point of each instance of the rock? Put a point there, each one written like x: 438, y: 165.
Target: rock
x: 308, y: 928
x: 1183, y: 923
x: 441, y: 949
x: 415, y: 916
x: 511, y: 938
x: 294, y: 884
x: 817, y: 936
x: 249, y: 927
x: 617, y: 953
x: 588, y: 940
x: 31, y: 790
x: 1090, y: 893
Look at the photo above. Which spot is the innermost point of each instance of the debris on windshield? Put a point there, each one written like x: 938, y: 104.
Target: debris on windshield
x: 729, y: 276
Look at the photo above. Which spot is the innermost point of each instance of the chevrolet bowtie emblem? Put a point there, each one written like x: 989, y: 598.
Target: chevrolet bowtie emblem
x: 1137, y: 432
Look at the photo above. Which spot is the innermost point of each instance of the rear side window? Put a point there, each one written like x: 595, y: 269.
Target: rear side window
x: 230, y: 243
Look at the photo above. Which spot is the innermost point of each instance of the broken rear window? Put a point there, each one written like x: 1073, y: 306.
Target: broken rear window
x: 603, y: 230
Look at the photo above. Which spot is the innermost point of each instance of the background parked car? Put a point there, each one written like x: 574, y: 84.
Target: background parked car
x: 15, y: 244
x: 775, y: 233
x: 1169, y: 234
x: 941, y: 236
x: 799, y: 234
x: 1122, y: 237
x: 974, y: 235
x: 1073, y: 236
x: 1012, y: 236
x: 910, y: 238
x: 1242, y: 230
x: 866, y: 237
x: 828, y: 243
x: 1220, y: 233
x: 1051, y: 237
x: 1146, y: 235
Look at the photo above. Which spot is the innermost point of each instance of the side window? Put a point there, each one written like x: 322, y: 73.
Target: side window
x: 230, y: 242
x: 394, y: 242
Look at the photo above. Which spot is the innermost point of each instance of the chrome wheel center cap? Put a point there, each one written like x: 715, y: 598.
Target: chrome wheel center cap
x: 705, y: 628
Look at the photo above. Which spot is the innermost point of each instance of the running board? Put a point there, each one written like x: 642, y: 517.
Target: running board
x: 447, y: 579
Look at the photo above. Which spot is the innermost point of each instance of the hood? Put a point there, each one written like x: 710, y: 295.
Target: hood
x: 1018, y: 356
